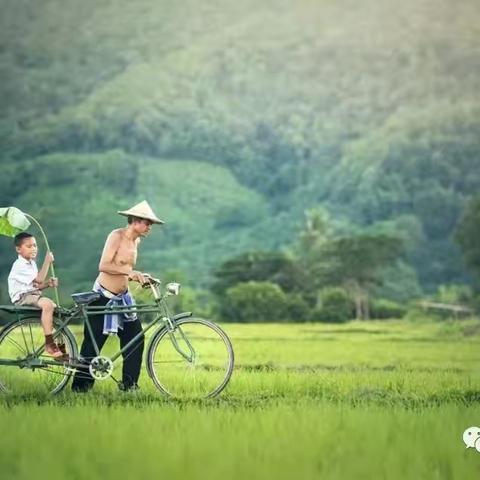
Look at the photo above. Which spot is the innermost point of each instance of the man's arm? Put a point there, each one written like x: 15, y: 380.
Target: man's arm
x: 110, y: 249
x: 42, y: 274
x: 136, y: 276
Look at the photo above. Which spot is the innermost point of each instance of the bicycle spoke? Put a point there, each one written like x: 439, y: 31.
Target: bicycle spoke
x: 24, y: 339
x: 31, y: 336
x: 16, y: 344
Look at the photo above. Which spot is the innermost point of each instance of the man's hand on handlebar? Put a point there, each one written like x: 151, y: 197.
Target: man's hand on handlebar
x: 144, y: 279
x: 139, y: 277
x: 149, y: 280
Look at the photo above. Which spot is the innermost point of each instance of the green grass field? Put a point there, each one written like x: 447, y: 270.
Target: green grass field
x: 365, y: 400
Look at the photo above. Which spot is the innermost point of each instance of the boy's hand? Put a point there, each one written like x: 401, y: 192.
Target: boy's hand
x: 49, y: 258
x: 53, y: 282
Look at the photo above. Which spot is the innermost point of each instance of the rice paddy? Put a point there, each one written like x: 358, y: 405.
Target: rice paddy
x: 365, y: 400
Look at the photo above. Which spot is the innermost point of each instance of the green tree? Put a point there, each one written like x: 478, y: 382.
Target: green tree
x: 467, y: 235
x: 309, y: 251
x: 275, y: 267
x: 356, y: 263
x: 316, y: 232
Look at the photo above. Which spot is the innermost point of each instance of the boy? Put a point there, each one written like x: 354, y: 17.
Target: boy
x: 25, y: 283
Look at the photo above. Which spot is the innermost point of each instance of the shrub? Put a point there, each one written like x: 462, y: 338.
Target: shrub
x: 383, y: 309
x: 334, y: 306
x: 456, y: 294
x: 475, y: 303
x: 296, y: 308
x: 254, y: 302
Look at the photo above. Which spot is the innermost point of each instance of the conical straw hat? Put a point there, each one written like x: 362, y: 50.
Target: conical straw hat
x: 142, y: 210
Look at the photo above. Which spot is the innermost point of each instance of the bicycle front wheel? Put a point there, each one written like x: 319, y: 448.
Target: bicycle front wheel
x: 25, y: 369
x: 195, y: 360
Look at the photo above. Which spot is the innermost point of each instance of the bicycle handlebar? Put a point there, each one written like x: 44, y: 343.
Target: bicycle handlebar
x: 151, y: 281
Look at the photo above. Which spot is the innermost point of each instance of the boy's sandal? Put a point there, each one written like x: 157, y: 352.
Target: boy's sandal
x: 52, y: 350
x: 65, y: 355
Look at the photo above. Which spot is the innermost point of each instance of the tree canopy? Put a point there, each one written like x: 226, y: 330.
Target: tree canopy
x: 468, y: 234
x: 234, y: 118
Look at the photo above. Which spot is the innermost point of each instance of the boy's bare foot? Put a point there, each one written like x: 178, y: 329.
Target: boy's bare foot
x: 52, y: 350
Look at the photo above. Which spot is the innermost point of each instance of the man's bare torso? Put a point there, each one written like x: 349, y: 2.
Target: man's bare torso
x: 118, y: 261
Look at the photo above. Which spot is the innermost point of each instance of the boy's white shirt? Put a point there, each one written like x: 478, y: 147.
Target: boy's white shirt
x: 21, y: 277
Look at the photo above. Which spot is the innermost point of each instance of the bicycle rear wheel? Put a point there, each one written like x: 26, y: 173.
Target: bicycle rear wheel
x: 22, y: 372
x: 204, y: 368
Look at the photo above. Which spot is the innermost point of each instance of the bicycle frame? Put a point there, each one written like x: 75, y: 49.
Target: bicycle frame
x: 159, y: 307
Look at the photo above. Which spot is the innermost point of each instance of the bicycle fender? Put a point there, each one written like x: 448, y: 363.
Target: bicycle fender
x: 178, y: 316
x: 16, y: 320
x: 7, y: 325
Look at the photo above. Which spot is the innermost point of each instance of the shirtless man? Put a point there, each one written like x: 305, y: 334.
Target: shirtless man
x: 116, y: 269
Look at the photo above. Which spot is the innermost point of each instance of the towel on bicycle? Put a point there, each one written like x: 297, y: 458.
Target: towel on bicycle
x: 114, y: 321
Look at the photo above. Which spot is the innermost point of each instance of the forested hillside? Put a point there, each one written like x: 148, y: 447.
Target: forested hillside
x: 233, y: 118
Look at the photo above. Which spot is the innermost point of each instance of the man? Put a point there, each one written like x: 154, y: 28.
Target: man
x: 116, y: 269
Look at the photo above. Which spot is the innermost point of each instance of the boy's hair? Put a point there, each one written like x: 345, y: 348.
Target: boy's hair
x: 20, y: 238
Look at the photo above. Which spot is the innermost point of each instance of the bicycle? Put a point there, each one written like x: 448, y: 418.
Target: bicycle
x: 185, y: 357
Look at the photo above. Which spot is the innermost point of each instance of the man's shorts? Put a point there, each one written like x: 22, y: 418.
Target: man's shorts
x: 29, y: 299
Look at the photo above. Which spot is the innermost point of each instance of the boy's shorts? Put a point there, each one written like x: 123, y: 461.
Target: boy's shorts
x: 28, y: 299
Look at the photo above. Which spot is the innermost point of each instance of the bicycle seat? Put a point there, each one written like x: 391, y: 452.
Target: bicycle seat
x: 84, y: 298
